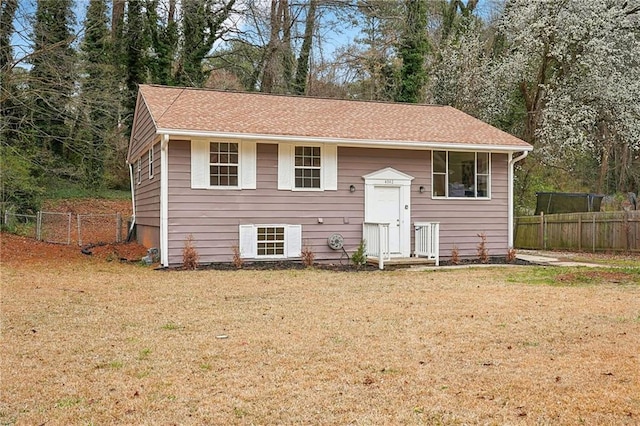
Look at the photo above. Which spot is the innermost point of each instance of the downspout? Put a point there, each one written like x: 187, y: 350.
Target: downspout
x: 512, y: 162
x: 133, y: 204
x: 164, y: 200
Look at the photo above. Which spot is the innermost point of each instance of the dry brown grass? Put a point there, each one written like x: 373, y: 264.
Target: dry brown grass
x: 91, y: 342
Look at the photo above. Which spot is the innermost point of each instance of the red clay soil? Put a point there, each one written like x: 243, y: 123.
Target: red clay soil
x: 15, y: 250
x: 89, y: 206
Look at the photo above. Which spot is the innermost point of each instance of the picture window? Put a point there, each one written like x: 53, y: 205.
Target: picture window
x: 461, y: 174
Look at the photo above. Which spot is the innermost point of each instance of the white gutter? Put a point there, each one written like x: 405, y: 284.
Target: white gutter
x: 164, y: 200
x: 133, y: 200
x: 347, y: 142
x: 512, y: 162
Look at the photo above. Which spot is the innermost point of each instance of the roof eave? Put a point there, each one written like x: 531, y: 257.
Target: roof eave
x: 349, y: 142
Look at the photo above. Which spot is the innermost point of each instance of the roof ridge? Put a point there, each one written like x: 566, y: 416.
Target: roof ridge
x: 205, y: 111
x: 295, y: 96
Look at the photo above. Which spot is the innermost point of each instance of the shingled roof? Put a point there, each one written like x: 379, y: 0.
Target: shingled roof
x: 183, y: 111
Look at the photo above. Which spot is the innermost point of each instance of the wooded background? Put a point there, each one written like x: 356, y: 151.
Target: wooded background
x: 562, y: 75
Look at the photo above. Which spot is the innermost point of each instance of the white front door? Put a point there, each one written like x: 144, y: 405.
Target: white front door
x: 387, y: 196
x: 386, y: 209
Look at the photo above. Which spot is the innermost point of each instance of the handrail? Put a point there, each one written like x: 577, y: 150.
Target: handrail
x: 376, y: 238
x: 427, y: 240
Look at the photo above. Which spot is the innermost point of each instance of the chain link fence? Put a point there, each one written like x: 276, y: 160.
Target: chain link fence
x: 100, y: 228
x: 54, y: 227
x: 25, y: 225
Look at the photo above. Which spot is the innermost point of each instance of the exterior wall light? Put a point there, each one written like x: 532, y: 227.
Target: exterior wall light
x: 352, y: 188
x: 421, y: 189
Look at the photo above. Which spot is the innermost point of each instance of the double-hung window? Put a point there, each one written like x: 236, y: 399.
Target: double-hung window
x: 458, y: 174
x: 307, y: 167
x: 223, y: 164
x: 150, y: 163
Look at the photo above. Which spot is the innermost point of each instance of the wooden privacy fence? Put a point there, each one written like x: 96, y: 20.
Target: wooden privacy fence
x: 599, y: 231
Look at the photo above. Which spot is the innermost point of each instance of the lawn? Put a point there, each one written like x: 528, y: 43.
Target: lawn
x: 86, y: 341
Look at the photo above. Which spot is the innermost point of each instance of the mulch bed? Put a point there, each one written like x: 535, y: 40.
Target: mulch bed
x: 494, y: 260
x: 278, y: 266
x: 338, y: 267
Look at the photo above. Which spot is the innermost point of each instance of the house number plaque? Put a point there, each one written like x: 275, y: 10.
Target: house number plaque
x: 388, y: 181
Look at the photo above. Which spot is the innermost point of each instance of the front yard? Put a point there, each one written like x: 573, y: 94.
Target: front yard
x: 95, y: 342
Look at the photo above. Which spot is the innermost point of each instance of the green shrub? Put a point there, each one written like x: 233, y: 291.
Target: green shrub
x: 359, y: 257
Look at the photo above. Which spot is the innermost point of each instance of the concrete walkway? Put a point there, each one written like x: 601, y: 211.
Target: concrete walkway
x: 547, y: 260
x: 531, y: 257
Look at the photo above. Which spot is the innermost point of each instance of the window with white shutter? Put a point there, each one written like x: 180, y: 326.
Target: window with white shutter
x: 270, y: 241
x: 223, y: 165
x: 307, y: 167
x: 224, y: 158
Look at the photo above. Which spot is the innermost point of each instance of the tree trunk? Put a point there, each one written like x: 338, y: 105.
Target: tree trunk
x: 300, y: 84
x: 117, y: 18
x: 270, y: 61
x: 172, y: 12
x: 534, y: 98
x: 287, y: 54
x: 605, y: 157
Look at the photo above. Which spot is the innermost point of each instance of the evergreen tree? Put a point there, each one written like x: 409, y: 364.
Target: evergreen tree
x: 52, y: 76
x: 414, y: 46
x: 375, y: 64
x: 18, y: 188
x: 99, y: 93
x: 136, y: 44
x: 7, y: 13
x: 163, y: 35
x: 202, y: 22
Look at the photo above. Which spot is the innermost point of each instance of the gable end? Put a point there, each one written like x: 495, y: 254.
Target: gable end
x: 143, y: 131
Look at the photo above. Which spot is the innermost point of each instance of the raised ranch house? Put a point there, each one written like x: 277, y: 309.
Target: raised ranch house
x: 272, y: 175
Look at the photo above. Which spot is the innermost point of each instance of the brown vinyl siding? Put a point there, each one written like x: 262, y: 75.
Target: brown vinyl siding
x: 143, y: 133
x: 147, y: 198
x: 212, y: 216
x: 461, y: 220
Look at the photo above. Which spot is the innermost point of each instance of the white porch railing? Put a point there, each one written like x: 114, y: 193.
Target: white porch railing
x: 427, y: 240
x: 376, y: 240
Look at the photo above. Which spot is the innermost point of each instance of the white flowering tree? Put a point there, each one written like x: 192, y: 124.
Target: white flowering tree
x: 576, y: 66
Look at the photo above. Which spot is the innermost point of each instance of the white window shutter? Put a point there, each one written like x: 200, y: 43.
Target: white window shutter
x: 285, y: 166
x: 200, y: 164
x: 330, y: 167
x: 294, y: 241
x: 248, y: 164
x: 248, y: 243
